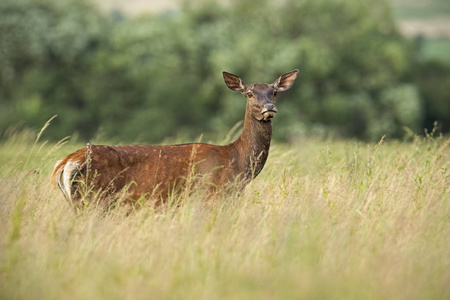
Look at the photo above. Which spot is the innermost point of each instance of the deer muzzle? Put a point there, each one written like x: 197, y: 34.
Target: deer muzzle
x: 269, y: 111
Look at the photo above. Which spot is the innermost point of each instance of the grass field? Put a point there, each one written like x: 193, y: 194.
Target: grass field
x: 326, y: 219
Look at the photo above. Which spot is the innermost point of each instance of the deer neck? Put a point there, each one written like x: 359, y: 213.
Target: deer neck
x: 253, y: 145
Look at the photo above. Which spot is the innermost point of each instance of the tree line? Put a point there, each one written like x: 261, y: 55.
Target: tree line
x: 146, y: 78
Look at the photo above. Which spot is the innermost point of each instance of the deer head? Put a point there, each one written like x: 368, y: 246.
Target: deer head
x: 261, y: 97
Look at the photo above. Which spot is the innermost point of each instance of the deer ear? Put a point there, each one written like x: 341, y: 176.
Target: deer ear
x: 233, y: 82
x: 285, y: 81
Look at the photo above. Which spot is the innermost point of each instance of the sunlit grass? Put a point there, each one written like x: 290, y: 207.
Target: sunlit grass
x: 325, y: 219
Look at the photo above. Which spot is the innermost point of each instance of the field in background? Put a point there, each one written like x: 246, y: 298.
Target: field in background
x: 325, y: 219
x: 429, y: 19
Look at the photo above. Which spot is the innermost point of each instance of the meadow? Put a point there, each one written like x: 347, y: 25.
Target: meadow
x: 326, y: 219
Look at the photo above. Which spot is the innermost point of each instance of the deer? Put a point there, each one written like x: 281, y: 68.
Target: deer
x: 159, y: 171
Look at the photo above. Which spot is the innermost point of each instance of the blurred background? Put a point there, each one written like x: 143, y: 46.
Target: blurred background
x: 140, y: 71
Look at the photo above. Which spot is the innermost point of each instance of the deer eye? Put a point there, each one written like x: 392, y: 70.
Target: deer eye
x: 249, y: 94
x: 275, y: 93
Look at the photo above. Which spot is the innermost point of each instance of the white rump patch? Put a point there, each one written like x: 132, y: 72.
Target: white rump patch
x: 65, y: 181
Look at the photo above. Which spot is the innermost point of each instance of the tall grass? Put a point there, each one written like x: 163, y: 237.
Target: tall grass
x: 324, y: 220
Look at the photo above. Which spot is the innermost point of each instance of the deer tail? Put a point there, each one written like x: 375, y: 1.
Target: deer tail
x: 63, y: 174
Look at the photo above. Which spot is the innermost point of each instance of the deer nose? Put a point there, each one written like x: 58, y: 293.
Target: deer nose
x: 268, y: 112
x: 269, y: 107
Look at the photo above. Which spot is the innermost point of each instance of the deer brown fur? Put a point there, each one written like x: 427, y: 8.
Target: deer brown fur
x: 159, y: 171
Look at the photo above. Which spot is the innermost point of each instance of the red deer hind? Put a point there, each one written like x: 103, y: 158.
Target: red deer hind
x: 157, y: 172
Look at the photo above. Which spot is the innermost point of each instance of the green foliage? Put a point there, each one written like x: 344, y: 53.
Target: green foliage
x: 433, y: 80
x: 45, y: 51
x: 157, y: 76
